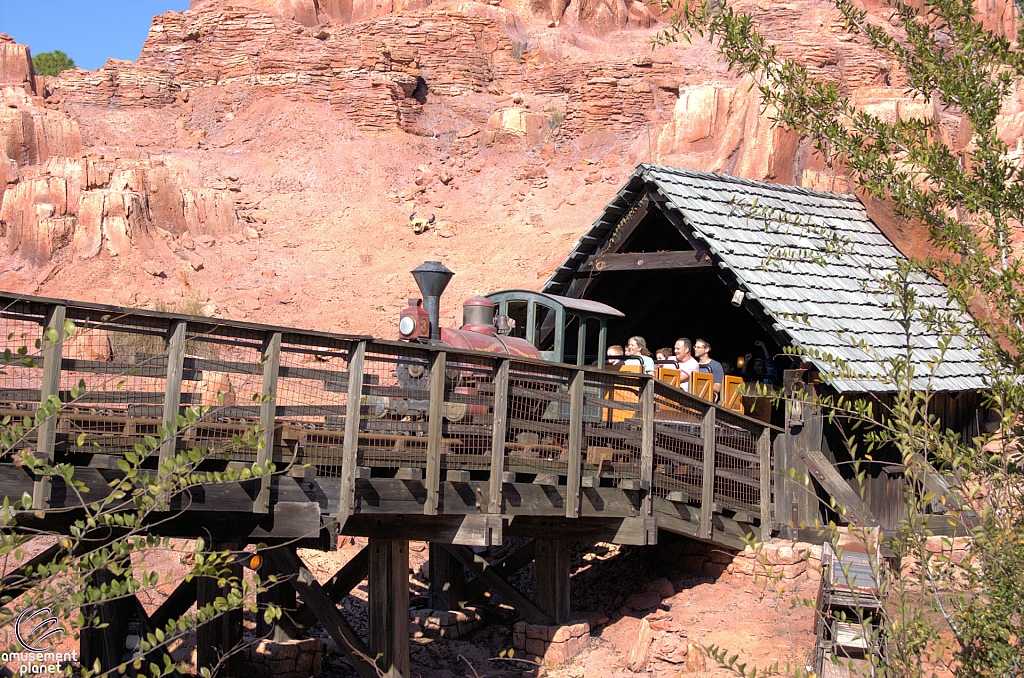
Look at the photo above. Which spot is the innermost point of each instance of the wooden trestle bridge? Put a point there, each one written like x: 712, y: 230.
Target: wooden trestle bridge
x: 381, y: 439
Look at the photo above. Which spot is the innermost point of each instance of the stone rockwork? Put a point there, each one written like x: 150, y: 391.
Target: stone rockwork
x: 449, y: 624
x: 287, y: 659
x: 778, y: 560
x: 552, y: 644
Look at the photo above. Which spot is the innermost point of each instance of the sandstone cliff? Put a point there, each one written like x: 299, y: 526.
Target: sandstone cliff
x: 259, y: 152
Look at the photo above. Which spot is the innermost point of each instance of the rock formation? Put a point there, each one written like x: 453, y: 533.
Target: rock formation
x: 258, y: 150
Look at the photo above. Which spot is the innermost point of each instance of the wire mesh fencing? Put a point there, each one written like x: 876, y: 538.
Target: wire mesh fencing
x: 613, y: 424
x: 311, y: 402
x: 112, y: 382
x: 221, y: 379
x: 537, y: 423
x: 678, y: 444
x: 737, y: 465
x: 21, y: 366
x: 468, y: 412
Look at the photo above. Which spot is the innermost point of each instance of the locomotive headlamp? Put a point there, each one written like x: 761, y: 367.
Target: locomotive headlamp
x: 406, y: 326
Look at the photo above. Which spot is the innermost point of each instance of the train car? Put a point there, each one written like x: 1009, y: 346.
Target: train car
x: 515, y: 322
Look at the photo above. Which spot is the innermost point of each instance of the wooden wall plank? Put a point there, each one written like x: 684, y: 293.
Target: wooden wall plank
x: 435, y: 422
x: 647, y: 442
x: 764, y: 453
x: 498, y: 429
x: 707, y: 496
x: 172, y: 387
x: 350, y: 446
x: 575, y: 462
x: 268, y: 404
x: 52, y: 355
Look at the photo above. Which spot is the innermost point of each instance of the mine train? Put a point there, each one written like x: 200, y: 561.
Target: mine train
x: 519, y: 323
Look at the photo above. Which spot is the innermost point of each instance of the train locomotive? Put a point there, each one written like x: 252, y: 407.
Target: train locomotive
x: 519, y: 323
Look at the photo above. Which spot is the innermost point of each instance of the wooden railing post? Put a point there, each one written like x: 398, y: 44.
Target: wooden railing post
x: 435, y: 422
x: 268, y: 410
x: 707, y: 494
x: 647, y: 443
x: 52, y: 355
x: 764, y: 454
x: 172, y: 389
x: 572, y: 481
x: 350, y: 446
x: 498, y: 436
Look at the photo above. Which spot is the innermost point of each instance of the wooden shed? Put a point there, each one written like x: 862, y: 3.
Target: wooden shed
x: 693, y: 254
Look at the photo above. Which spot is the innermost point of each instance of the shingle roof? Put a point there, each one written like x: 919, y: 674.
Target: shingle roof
x: 825, y: 298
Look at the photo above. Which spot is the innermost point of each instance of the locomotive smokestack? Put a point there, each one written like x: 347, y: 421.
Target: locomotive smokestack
x: 432, y: 277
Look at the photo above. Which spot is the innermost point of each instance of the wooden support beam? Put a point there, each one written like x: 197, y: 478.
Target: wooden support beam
x: 847, y: 502
x: 101, y: 643
x: 336, y: 588
x: 647, y: 442
x: 52, y: 350
x: 764, y: 453
x: 628, y: 223
x: 176, y: 604
x: 350, y: 445
x: 447, y: 580
x: 435, y: 422
x: 551, y: 578
x: 472, y: 530
x: 575, y: 462
x: 325, y: 610
x: 523, y: 605
x: 504, y: 568
x: 172, y: 387
x: 217, y: 640
x: 268, y: 403
x: 644, y: 261
x: 17, y: 582
x: 707, y: 495
x: 389, y: 603
x: 498, y: 436
x: 281, y: 594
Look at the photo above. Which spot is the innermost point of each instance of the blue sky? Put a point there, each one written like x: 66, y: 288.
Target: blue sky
x: 89, y: 31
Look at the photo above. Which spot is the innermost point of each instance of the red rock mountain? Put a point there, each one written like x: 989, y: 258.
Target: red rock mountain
x: 261, y: 157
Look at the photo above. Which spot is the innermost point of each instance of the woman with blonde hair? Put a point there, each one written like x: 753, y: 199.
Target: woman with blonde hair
x: 636, y: 348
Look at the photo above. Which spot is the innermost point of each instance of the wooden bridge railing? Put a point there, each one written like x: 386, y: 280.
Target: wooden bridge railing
x: 425, y: 413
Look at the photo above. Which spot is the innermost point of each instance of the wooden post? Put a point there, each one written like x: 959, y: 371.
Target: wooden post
x: 498, y: 436
x: 94, y: 642
x: 268, y: 409
x: 647, y: 444
x: 764, y: 454
x: 52, y: 356
x: 172, y: 389
x: 350, y: 446
x: 282, y: 595
x: 219, y: 636
x: 447, y: 580
x: 572, y: 481
x: 389, y: 605
x: 551, y: 578
x: 435, y: 421
x: 707, y: 495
